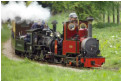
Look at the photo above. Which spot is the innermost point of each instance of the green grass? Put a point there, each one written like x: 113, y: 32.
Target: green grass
x: 62, y: 17
x: 110, y: 44
x: 26, y: 70
x: 5, y: 33
x: 31, y: 71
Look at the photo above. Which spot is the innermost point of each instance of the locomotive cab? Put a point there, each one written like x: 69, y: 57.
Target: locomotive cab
x: 74, y: 31
x: 18, y: 34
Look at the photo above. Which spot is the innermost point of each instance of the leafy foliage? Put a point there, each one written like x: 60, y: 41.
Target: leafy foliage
x: 82, y: 8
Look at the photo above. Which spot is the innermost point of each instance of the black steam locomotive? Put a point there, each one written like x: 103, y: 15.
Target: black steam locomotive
x: 75, y: 46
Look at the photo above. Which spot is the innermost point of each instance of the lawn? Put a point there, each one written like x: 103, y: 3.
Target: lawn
x: 31, y: 71
x: 110, y: 45
x: 26, y: 70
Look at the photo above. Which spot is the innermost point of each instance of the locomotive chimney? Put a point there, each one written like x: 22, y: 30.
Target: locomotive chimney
x: 54, y: 25
x: 90, y: 19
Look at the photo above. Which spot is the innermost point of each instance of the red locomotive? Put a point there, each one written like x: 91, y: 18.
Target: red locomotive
x: 79, y: 46
x: 75, y: 46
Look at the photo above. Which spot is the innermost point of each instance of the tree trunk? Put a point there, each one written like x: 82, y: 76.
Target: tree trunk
x: 104, y: 18
x: 113, y: 15
x: 118, y: 16
x: 108, y: 18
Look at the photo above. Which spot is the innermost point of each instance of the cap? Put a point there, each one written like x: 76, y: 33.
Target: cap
x: 73, y: 15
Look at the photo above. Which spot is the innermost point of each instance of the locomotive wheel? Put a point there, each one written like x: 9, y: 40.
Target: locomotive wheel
x: 55, y: 60
x: 42, y: 55
x: 27, y: 55
x: 18, y: 53
x: 64, y: 62
x: 31, y: 56
x: 36, y: 57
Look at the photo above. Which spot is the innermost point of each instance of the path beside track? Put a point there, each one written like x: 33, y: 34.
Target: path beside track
x: 8, y: 51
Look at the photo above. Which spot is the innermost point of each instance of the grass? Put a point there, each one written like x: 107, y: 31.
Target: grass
x: 30, y: 71
x: 5, y: 33
x: 110, y: 44
x: 59, y: 18
x: 26, y: 70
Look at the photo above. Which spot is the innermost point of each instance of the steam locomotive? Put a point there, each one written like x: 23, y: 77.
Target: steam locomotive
x: 74, y: 47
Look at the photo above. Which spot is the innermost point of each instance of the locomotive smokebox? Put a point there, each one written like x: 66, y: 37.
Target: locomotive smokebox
x: 90, y: 19
x: 54, y: 25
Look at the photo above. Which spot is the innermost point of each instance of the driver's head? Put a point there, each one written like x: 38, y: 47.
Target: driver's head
x: 39, y: 22
x: 73, y: 16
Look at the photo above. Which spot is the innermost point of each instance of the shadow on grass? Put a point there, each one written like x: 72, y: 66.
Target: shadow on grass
x: 104, y: 25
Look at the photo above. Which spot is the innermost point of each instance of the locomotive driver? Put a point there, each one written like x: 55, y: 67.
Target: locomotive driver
x: 73, y: 17
x: 39, y: 24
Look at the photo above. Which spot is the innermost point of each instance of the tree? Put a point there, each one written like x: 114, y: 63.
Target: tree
x: 118, y: 13
x: 113, y: 14
x: 108, y: 17
x: 4, y: 2
x: 104, y: 17
x: 28, y: 3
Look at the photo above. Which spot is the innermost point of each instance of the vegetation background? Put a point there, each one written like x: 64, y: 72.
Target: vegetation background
x: 106, y: 28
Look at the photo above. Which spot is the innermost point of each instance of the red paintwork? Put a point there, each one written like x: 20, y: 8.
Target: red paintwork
x: 81, y: 39
x: 87, y: 61
x: 64, y: 31
x: 82, y: 32
x: 69, y: 34
x: 56, y: 46
x: 74, y: 47
x: 70, y: 63
x: 78, y: 47
x: 83, y: 22
x: 70, y: 46
x: 77, y: 61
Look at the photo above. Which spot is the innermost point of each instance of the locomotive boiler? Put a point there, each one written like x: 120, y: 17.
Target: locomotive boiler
x: 74, y: 47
